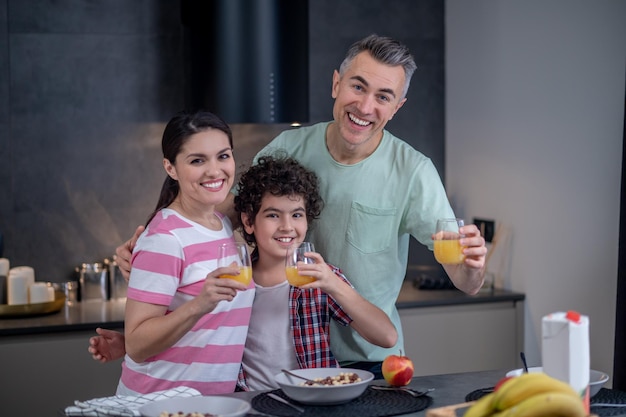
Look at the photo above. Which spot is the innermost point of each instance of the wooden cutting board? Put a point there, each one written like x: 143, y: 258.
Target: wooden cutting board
x: 449, y: 410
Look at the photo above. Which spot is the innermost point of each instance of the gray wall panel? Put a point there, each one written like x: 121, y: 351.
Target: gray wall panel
x: 6, y: 190
x: 104, y: 16
x: 90, y: 87
x: 85, y: 90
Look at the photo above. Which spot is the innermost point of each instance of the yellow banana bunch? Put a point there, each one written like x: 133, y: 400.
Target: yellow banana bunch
x: 529, y: 395
x: 546, y: 404
x: 482, y: 407
x: 525, y: 386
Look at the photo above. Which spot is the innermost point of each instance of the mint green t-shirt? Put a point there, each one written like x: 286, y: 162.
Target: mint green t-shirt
x: 370, y: 209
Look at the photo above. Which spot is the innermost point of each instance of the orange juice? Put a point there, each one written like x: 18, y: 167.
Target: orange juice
x: 244, y: 276
x: 295, y: 279
x: 448, y: 251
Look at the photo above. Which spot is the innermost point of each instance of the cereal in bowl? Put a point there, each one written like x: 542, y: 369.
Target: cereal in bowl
x: 342, y: 379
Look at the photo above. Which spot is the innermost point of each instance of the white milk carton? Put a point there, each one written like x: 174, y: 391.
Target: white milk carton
x: 565, y: 350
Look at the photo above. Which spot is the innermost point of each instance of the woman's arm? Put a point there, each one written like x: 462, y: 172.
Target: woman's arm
x: 149, y: 331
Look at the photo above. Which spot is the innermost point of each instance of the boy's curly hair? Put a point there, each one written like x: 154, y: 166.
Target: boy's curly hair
x: 278, y: 176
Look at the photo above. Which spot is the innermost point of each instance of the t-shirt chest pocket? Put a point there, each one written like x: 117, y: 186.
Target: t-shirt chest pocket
x: 370, y: 229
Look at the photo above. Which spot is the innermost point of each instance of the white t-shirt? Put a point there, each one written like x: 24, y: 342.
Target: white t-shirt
x: 269, y: 348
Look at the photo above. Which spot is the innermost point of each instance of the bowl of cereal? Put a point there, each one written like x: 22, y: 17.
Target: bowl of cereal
x: 208, y: 406
x: 331, y: 385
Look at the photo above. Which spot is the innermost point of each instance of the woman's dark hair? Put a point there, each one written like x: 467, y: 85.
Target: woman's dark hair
x: 278, y: 176
x: 177, y: 131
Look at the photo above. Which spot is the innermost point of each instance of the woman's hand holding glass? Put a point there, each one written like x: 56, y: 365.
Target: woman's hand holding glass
x: 236, y: 255
x: 233, y: 274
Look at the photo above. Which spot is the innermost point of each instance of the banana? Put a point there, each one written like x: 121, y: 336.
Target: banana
x: 481, y: 408
x: 546, y: 404
x: 527, y: 385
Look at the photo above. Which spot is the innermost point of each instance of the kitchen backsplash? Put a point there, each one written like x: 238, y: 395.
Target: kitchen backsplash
x: 85, y: 93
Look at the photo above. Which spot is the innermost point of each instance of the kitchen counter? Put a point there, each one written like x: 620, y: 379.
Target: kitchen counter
x: 436, y: 325
x: 88, y: 315
x: 85, y: 315
x: 450, y: 389
x: 411, y: 297
x: 45, y: 361
x: 459, y: 332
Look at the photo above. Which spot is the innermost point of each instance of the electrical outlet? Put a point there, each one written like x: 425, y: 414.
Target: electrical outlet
x: 487, y: 228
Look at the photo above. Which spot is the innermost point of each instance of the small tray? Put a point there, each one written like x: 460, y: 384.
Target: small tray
x: 449, y: 410
x: 38, y: 309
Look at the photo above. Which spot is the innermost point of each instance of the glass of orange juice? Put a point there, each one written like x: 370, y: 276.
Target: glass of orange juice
x: 236, y: 254
x: 447, y: 248
x: 291, y: 264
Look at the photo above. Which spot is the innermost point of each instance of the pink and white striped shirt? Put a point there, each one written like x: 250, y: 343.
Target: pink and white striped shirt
x: 169, y: 264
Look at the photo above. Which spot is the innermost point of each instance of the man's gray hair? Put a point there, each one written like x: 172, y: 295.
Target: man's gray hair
x: 385, y: 50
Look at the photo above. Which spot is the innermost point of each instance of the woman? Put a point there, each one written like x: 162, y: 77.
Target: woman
x: 178, y: 312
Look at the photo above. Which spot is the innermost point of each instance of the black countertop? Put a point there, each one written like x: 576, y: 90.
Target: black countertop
x: 81, y: 316
x: 90, y: 314
x: 412, y: 297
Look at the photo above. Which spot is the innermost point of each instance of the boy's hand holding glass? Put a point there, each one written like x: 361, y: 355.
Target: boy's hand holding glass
x: 236, y: 255
x: 291, y: 264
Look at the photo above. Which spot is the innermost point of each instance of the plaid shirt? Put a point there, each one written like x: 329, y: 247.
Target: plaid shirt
x: 310, y: 313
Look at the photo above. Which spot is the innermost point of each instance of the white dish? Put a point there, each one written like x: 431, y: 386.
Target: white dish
x: 323, y: 394
x: 596, y: 378
x: 222, y: 406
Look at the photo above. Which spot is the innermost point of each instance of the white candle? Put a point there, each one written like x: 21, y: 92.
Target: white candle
x: 20, y: 278
x: 17, y: 290
x: 24, y: 271
x: 38, y: 293
x: 4, y: 267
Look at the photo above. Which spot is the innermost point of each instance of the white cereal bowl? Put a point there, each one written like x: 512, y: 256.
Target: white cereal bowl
x: 596, y: 378
x: 323, y: 394
x: 222, y: 406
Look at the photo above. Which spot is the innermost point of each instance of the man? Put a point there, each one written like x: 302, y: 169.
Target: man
x: 378, y: 190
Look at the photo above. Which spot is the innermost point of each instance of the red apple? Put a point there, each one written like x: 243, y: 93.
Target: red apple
x: 501, y: 381
x: 397, y: 370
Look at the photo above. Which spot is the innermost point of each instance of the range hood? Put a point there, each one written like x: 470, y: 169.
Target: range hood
x: 247, y: 60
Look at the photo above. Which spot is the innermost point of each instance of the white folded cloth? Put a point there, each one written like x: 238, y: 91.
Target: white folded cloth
x: 125, y: 405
